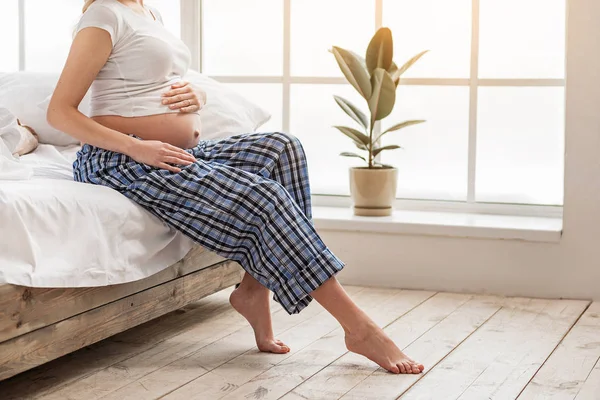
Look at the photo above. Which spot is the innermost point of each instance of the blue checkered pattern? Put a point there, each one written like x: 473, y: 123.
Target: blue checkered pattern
x: 247, y: 198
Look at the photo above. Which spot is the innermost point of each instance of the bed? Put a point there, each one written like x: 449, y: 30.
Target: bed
x: 80, y: 263
x: 101, y: 270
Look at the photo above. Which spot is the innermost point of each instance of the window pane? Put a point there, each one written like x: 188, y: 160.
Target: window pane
x: 433, y: 160
x: 268, y: 96
x: 318, y: 25
x: 9, y: 32
x: 48, y: 33
x: 313, y: 113
x: 170, y: 10
x: 520, y: 145
x: 522, y: 39
x: 243, y: 37
x: 441, y: 26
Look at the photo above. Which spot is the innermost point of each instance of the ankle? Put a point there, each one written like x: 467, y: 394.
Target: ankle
x: 361, y: 328
x: 249, y: 284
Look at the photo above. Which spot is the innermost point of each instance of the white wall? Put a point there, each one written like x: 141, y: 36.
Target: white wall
x: 570, y: 268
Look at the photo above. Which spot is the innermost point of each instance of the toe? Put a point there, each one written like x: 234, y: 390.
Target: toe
x: 273, y: 347
x: 407, y: 367
x: 284, y: 348
x: 402, y: 368
x: 393, y: 369
x: 415, y: 369
x: 281, y: 349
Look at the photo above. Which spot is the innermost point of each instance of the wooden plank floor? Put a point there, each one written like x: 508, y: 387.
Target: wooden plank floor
x: 473, y: 347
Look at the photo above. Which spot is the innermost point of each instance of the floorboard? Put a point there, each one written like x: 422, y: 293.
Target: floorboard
x: 346, y: 372
x: 498, y: 360
x: 567, y: 369
x: 237, y: 350
x: 473, y: 347
x: 248, y: 380
x: 64, y: 371
x: 591, y: 387
x: 430, y: 348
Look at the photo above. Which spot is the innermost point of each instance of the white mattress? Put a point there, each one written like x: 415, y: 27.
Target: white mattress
x: 55, y: 232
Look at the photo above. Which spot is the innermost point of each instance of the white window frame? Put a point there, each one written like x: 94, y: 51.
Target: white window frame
x: 192, y: 34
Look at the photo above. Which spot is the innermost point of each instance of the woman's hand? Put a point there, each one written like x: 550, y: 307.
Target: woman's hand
x: 160, y: 155
x: 184, y: 98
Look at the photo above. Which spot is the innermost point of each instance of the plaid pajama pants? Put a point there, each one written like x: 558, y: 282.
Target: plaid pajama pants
x: 247, y: 198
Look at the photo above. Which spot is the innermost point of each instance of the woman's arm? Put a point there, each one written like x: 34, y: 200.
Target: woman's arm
x: 89, y: 52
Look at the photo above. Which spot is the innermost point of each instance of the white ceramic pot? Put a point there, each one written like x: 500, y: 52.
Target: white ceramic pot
x: 373, y: 191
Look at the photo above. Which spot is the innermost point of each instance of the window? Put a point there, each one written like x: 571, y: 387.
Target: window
x: 491, y: 88
x: 36, y: 34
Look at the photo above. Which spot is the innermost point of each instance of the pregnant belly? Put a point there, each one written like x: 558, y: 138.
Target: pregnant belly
x: 178, y: 129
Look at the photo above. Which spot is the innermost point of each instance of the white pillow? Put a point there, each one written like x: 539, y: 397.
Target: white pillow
x: 21, y: 92
x: 226, y: 113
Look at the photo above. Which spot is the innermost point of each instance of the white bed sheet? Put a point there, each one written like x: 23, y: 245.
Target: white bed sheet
x: 55, y: 232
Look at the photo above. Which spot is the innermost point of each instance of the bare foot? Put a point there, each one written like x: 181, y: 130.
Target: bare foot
x: 374, y: 344
x: 253, y: 304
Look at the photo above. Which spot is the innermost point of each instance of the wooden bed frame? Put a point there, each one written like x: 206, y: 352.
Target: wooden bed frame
x: 38, y: 325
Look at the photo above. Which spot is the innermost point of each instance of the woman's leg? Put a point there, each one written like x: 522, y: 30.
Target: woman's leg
x: 276, y: 156
x: 280, y: 157
x: 363, y: 336
x: 256, y: 221
x: 251, y: 299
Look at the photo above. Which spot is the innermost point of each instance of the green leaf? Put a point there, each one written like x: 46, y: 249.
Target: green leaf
x: 380, y: 52
x: 353, y: 69
x: 383, y: 97
x: 353, y: 111
x: 399, y: 126
x: 398, y: 73
x: 361, y: 146
x: 390, y: 147
x: 392, y: 71
x: 360, y: 58
x: 354, y: 155
x: 356, y: 135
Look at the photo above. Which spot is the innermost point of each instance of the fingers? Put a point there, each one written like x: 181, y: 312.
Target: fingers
x: 179, y: 98
x: 175, y: 92
x: 190, y: 109
x: 184, y: 157
x: 180, y: 85
x: 176, y: 160
x: 169, y: 167
x: 184, y: 104
x: 180, y: 153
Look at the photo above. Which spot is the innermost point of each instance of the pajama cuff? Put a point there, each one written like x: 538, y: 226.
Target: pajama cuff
x: 296, y: 290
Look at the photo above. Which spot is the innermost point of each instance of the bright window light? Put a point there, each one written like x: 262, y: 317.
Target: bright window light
x: 242, y: 37
x: 170, y: 11
x: 491, y: 88
x: 9, y: 28
x: 443, y: 27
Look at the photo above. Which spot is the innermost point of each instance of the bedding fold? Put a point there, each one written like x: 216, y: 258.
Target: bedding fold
x: 55, y: 232
x: 10, y: 137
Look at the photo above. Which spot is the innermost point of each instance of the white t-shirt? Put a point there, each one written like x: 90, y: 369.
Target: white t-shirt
x: 146, y: 60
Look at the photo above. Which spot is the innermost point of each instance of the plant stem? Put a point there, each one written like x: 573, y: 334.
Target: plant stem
x: 371, y: 144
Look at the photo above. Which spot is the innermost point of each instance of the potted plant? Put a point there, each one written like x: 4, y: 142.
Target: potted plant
x: 376, y: 78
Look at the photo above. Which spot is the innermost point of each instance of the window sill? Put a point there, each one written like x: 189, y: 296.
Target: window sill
x: 450, y: 224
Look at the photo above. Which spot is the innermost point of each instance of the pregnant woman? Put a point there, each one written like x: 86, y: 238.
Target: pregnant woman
x: 247, y: 197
